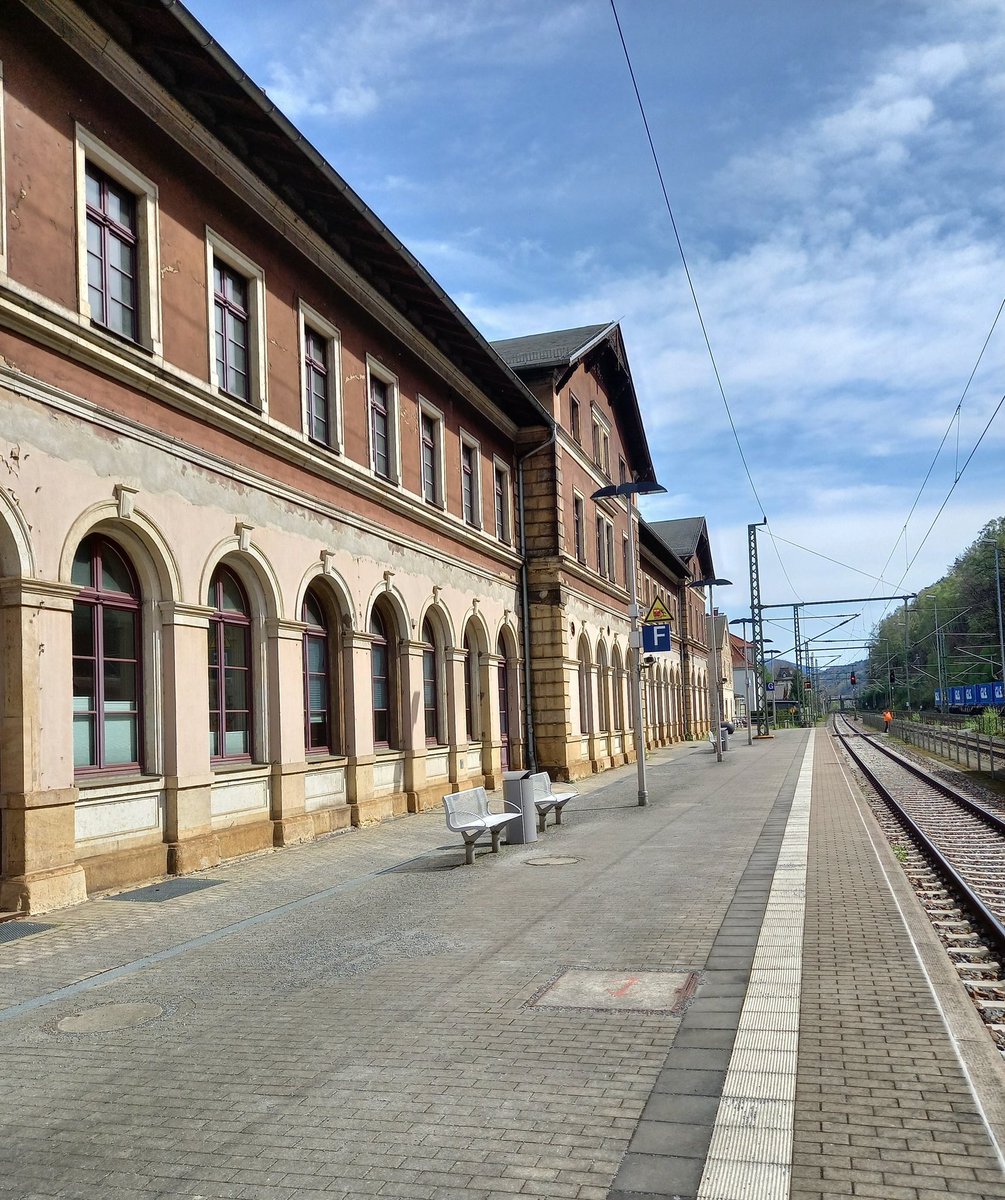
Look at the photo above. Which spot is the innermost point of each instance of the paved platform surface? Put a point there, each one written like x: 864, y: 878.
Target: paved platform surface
x: 730, y: 992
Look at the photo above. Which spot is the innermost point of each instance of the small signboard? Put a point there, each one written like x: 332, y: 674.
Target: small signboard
x: 769, y: 687
x: 656, y: 638
x: 658, y: 614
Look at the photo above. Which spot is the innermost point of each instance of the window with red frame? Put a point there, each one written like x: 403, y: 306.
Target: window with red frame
x: 230, y: 674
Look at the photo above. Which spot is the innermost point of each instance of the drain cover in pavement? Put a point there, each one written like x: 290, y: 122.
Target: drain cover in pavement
x: 551, y: 860
x: 645, y: 991
x: 167, y: 889
x: 108, y: 1017
x: 10, y: 931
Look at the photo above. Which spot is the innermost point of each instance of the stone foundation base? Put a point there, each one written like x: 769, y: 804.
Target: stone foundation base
x: 107, y: 872
x: 331, y: 820
x: 239, y: 840
x: 377, y: 808
x: 44, y: 891
x: 193, y: 854
x: 291, y: 831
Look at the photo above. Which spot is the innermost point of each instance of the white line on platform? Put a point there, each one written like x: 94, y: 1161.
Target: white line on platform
x: 750, y: 1157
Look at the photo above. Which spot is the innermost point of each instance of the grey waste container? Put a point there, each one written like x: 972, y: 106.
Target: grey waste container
x: 724, y: 736
x: 518, y: 796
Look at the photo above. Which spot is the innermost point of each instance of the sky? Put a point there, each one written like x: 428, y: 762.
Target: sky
x: 836, y: 174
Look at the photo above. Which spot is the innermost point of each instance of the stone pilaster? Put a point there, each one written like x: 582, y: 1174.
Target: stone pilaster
x: 287, y: 738
x: 38, y: 870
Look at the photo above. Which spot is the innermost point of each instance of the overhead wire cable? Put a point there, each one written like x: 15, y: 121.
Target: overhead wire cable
x: 683, y: 257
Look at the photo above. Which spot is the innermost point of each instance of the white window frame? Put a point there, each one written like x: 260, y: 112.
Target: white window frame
x: 467, y: 442
x: 499, y: 467
x: 432, y: 413
x: 377, y: 370
x: 601, y: 441
x: 88, y: 149
x: 579, y: 543
x: 310, y: 319
x: 218, y: 247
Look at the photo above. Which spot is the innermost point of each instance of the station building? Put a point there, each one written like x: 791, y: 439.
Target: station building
x: 273, y: 511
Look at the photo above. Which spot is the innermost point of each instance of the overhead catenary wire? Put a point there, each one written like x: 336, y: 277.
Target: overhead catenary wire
x: 683, y: 258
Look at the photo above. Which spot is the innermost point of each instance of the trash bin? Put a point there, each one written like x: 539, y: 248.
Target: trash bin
x: 724, y: 732
x: 518, y: 796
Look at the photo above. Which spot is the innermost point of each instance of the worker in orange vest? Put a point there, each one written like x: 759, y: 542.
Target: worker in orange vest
x: 887, y: 721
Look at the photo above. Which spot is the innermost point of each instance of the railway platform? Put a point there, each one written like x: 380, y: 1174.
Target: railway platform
x: 730, y: 993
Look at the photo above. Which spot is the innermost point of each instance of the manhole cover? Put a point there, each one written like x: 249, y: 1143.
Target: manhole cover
x: 167, y: 889
x: 551, y: 860
x: 646, y: 991
x: 109, y: 1017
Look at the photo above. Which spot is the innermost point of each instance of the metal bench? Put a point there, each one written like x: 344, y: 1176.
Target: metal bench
x: 468, y: 814
x: 547, y: 800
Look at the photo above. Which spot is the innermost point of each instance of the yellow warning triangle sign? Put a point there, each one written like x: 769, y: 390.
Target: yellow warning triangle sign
x: 658, y: 613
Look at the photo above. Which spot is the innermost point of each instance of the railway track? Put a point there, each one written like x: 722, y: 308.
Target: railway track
x: 952, y: 849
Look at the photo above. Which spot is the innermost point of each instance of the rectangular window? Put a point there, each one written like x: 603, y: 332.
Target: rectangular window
x: 501, y: 503
x: 111, y: 254
x: 237, y: 319
x: 596, y: 443
x: 601, y: 548
x: 432, y: 483
x: 579, y: 528
x: 606, y: 455
x: 320, y: 370
x: 574, y: 420
x: 117, y: 252
x: 622, y: 470
x: 380, y: 428
x: 382, y: 398
x: 230, y: 309
x: 471, y: 506
x: 624, y: 561
x: 318, y: 399
x: 609, y: 534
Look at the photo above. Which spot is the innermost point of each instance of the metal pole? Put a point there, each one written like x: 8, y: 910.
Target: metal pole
x: 747, y: 668
x: 635, y: 641
x: 907, y: 655
x: 716, y: 720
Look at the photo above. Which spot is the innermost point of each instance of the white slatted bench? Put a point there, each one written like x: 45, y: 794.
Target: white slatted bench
x: 547, y: 800
x: 468, y: 814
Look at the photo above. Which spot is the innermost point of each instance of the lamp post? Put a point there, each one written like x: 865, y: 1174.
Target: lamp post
x: 998, y: 597
x: 629, y: 491
x: 747, y: 667
x: 716, y: 719
x: 774, y: 694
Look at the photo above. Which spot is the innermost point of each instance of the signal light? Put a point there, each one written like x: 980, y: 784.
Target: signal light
x: 854, y: 679
x: 893, y: 676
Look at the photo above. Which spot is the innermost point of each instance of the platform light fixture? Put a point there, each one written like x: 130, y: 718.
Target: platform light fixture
x: 629, y: 490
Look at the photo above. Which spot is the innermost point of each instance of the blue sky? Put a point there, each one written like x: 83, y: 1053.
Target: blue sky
x: 836, y: 175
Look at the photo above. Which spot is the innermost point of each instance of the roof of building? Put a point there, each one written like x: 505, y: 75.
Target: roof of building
x: 599, y: 346
x: 170, y: 44
x: 558, y: 349
x: 682, y: 535
x: 655, y: 549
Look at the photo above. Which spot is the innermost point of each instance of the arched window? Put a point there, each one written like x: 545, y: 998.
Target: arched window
x: 107, y: 717
x: 230, y: 677
x: 430, y: 685
x: 319, y: 712
x: 585, y: 721
x: 384, y: 684
x: 603, y: 690
x: 472, y: 689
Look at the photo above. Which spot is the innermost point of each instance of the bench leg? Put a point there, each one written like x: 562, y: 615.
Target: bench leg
x: 542, y: 817
x: 558, y: 813
x: 495, y: 838
x: 469, y: 849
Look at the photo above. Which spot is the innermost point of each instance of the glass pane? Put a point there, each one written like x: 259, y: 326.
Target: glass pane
x: 92, y: 187
x: 380, y: 693
x: 313, y: 613
x: 377, y: 626
x: 233, y: 597
x: 431, y: 733
x: 84, y: 696
x: 317, y: 693
x: 381, y: 727
x: 83, y: 630
x: 120, y: 740
x: 235, y: 690
x: 121, y: 207
x: 81, y: 573
x: 214, y: 734
x: 237, y: 739
x: 83, y: 742
x: 115, y: 575
x: 318, y: 731
x: 317, y: 657
x: 214, y: 691
x: 119, y: 629
x: 235, y: 645
x: 120, y: 685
